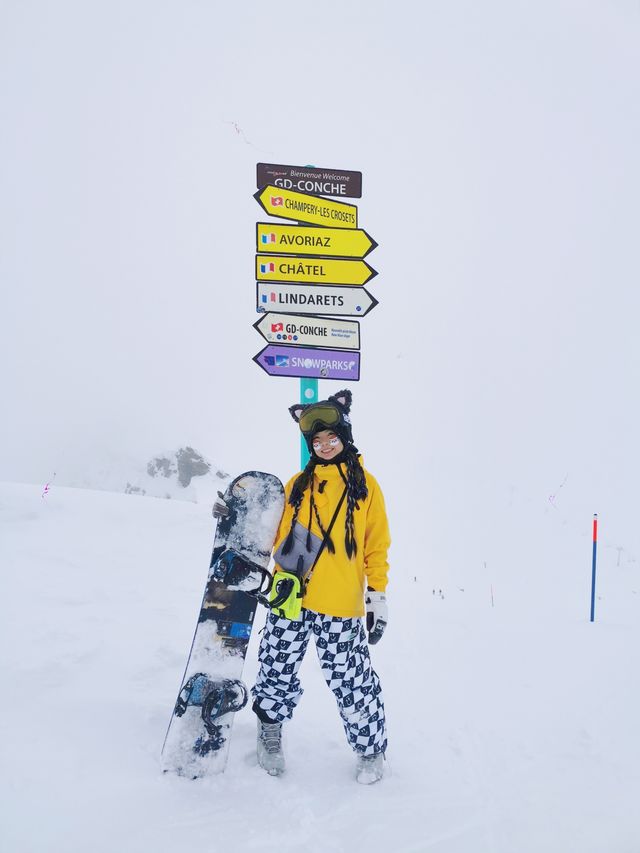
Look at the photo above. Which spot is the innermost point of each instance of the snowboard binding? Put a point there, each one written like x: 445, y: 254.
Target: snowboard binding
x: 216, y: 698
x: 282, y: 592
x: 234, y: 570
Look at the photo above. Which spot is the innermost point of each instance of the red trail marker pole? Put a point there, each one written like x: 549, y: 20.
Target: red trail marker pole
x: 593, y: 567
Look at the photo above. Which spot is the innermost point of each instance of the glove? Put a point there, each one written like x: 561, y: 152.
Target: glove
x: 220, y: 509
x: 377, y: 616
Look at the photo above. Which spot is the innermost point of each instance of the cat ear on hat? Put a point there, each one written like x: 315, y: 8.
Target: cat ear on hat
x: 343, y: 398
x: 296, y: 411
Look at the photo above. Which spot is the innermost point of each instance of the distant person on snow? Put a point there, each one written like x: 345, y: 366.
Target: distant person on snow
x: 331, y: 562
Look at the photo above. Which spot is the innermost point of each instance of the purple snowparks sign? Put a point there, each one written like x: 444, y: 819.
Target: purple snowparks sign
x: 309, y: 363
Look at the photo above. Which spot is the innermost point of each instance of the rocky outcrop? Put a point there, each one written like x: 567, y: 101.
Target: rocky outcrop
x: 186, y: 463
x: 190, y: 464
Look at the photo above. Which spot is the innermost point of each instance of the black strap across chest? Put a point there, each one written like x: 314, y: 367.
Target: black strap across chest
x: 326, y: 536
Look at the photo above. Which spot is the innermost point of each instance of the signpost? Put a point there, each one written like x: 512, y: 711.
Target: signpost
x: 314, y: 299
x: 313, y: 270
x: 309, y: 363
x: 308, y: 179
x: 309, y: 275
x: 308, y: 240
x: 309, y: 331
x: 303, y: 207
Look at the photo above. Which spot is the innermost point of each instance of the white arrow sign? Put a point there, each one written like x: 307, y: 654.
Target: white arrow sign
x: 301, y: 330
x: 314, y: 299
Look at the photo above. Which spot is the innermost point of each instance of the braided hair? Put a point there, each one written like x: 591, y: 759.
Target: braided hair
x: 356, y: 487
x: 356, y: 491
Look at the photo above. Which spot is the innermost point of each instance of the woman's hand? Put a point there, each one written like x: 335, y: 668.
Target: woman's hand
x: 377, y: 615
x: 220, y: 508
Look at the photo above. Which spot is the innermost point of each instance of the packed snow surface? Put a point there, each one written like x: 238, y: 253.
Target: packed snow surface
x: 512, y: 728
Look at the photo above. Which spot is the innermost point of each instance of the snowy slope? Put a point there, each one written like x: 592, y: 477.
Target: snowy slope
x: 512, y: 729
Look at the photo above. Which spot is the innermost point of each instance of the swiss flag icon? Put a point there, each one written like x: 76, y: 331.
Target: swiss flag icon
x: 277, y: 327
x: 277, y: 200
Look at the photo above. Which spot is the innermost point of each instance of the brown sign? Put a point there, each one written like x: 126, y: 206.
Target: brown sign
x: 308, y: 179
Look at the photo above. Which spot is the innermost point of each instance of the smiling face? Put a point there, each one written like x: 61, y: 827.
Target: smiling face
x: 326, y: 444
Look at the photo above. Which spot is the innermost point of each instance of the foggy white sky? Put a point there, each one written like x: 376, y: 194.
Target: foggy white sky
x: 498, y: 143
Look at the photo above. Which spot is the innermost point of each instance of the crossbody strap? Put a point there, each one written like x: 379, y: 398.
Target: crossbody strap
x: 285, y: 588
x: 325, y: 538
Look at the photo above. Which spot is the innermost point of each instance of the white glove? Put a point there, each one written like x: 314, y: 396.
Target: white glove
x: 220, y: 509
x: 377, y: 615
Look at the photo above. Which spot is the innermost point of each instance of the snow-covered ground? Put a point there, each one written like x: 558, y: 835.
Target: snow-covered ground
x: 513, y: 728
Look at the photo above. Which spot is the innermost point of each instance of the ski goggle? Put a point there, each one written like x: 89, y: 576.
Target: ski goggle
x: 324, y: 414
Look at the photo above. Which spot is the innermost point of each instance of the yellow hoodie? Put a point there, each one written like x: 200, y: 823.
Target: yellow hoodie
x: 337, y: 585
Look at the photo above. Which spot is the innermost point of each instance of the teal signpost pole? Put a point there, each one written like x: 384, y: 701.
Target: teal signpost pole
x: 308, y: 394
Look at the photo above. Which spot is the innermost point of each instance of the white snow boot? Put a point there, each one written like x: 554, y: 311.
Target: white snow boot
x: 270, y: 754
x: 370, y: 768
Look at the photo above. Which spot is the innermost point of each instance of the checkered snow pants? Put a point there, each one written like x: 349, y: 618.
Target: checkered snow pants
x: 343, y: 652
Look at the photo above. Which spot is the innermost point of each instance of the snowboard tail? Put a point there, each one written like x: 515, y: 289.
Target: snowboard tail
x: 211, y: 691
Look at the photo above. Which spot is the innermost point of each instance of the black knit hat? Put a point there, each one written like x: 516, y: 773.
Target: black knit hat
x: 332, y: 414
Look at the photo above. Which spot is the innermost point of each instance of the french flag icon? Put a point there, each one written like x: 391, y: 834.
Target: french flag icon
x: 268, y: 238
x: 267, y: 268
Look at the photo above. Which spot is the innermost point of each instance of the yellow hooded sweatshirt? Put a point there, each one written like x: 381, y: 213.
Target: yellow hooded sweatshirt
x: 338, y: 584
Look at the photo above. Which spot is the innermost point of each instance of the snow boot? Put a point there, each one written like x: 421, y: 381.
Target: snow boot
x: 370, y: 768
x: 270, y: 754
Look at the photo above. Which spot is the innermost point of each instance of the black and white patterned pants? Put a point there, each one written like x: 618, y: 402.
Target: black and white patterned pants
x: 343, y: 652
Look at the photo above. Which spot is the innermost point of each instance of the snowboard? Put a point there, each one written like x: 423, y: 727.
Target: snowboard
x: 211, y: 691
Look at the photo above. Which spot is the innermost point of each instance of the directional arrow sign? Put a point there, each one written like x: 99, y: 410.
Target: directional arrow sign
x: 313, y: 270
x: 304, y: 331
x: 313, y: 299
x: 309, y: 179
x: 303, y: 207
x: 309, y: 363
x: 307, y: 240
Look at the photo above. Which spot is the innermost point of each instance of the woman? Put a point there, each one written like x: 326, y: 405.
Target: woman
x: 331, y: 561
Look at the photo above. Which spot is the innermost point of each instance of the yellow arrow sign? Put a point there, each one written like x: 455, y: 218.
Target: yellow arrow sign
x: 306, y: 240
x: 313, y: 270
x: 303, y: 207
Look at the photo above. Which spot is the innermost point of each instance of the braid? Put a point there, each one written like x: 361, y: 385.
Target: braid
x: 302, y: 481
x: 356, y: 485
x: 356, y: 490
x: 295, y: 499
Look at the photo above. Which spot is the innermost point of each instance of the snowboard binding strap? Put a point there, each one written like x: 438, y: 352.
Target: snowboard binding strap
x: 233, y: 569
x: 216, y: 698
